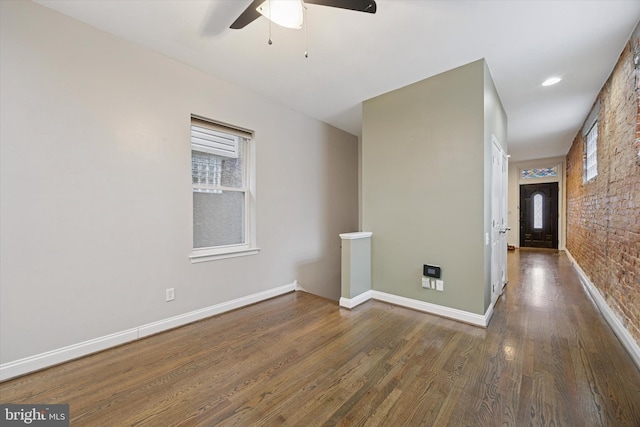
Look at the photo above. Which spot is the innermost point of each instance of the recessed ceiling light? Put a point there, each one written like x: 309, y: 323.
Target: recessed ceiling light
x: 551, y: 81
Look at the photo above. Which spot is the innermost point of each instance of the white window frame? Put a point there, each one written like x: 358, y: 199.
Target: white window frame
x: 590, y: 133
x: 226, y: 138
x: 591, y: 153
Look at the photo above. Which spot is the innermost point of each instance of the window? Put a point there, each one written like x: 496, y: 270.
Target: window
x: 222, y: 187
x: 539, y: 173
x: 590, y: 132
x: 591, y: 158
x: 537, y: 211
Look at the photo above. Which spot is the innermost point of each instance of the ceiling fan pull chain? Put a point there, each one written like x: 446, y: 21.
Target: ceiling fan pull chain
x: 270, y: 42
x: 306, y: 30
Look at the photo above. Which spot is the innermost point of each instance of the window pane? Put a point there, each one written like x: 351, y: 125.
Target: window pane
x: 537, y: 211
x: 209, y: 171
x: 592, y: 153
x: 218, y: 219
x: 232, y: 173
x: 206, y: 171
x: 539, y: 172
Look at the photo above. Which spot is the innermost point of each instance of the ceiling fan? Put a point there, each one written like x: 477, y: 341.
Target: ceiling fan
x: 289, y: 13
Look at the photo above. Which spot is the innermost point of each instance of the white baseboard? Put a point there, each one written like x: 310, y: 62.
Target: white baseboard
x: 193, y: 316
x: 297, y: 286
x: 439, y: 310
x: 74, y: 351
x: 353, y: 302
x: 616, y: 325
x: 64, y: 354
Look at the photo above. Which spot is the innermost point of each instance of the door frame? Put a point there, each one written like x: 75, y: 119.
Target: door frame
x: 499, y: 226
x: 515, y: 180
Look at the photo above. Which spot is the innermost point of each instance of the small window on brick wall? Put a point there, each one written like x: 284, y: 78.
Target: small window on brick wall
x: 591, y: 155
x: 590, y: 131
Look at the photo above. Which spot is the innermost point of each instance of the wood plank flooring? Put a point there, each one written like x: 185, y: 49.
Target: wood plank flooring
x: 548, y: 358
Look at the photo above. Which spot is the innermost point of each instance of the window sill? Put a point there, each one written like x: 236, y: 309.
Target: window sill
x: 216, y: 254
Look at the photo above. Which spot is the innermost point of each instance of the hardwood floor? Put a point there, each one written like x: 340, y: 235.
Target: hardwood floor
x: 547, y: 359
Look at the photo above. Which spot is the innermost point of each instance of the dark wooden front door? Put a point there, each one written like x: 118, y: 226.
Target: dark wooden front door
x: 539, y: 215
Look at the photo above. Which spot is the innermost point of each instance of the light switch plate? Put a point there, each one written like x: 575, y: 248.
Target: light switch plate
x: 425, y: 283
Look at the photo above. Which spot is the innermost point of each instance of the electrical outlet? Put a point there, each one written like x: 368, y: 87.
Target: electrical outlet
x: 170, y: 294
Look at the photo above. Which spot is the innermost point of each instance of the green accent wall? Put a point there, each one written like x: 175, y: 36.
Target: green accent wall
x: 426, y: 169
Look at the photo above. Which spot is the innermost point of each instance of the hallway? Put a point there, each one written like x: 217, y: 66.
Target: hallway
x: 547, y: 358
x: 572, y: 366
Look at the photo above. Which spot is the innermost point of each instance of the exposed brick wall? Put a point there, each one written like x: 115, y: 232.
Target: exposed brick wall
x: 603, y: 215
x: 636, y: 60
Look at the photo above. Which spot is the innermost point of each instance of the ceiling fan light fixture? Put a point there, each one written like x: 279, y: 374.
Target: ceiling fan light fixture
x: 286, y: 13
x: 551, y: 81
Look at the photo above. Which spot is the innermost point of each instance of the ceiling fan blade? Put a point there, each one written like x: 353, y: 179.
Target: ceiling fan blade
x: 249, y: 15
x: 220, y: 15
x: 368, y: 6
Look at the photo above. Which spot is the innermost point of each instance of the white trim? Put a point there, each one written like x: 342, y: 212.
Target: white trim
x: 194, y: 316
x: 74, y: 351
x: 205, y: 255
x: 64, y: 354
x: 427, y: 307
x: 495, y: 141
x: 356, y: 235
x: 440, y: 310
x: 355, y: 301
x: 297, y: 287
x: 616, y: 325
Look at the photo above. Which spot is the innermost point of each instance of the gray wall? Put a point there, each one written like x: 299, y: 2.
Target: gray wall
x: 426, y: 164
x: 96, y: 208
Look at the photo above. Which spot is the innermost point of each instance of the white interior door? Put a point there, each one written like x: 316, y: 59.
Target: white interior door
x: 504, y: 236
x: 498, y: 219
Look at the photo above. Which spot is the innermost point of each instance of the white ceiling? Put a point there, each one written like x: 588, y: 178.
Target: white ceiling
x: 355, y: 56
